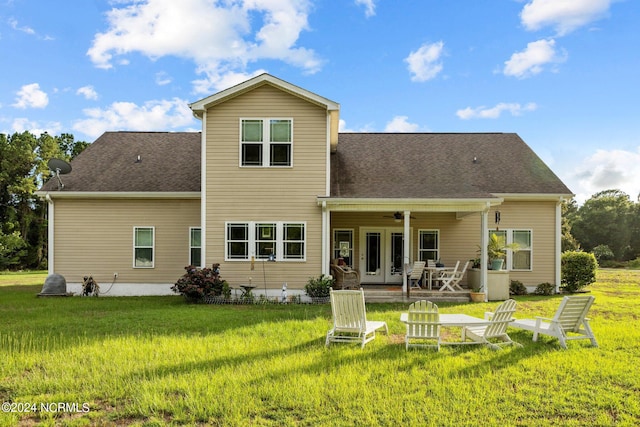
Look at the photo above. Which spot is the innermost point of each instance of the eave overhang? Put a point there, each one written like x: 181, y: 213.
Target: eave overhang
x: 338, y: 204
x: 116, y: 195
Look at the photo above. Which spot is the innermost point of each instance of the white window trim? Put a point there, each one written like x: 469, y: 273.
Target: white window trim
x: 195, y: 247
x: 279, y: 241
x: 420, y: 250
x: 509, y: 263
x: 153, y: 246
x: 336, y: 244
x: 266, y: 143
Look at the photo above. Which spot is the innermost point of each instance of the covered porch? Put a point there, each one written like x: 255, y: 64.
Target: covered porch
x: 381, y: 239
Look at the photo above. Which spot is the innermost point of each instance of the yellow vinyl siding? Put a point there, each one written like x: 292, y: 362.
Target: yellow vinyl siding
x: 95, y: 237
x: 243, y: 194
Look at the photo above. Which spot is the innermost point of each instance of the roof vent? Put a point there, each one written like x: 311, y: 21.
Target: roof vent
x: 475, y: 159
x: 138, y: 159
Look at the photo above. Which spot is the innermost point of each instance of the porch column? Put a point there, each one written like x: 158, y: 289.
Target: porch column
x: 558, y: 251
x: 483, y: 254
x: 405, y: 250
x: 326, y: 238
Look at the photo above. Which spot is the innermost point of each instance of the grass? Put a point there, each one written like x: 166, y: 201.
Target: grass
x: 158, y: 361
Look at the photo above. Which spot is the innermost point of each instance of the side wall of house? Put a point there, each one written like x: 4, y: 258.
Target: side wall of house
x: 95, y: 237
x: 265, y: 194
x: 460, y: 238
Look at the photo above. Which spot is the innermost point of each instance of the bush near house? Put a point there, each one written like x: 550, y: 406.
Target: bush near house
x: 318, y: 287
x: 198, y: 283
x: 578, y: 270
x: 517, y: 288
x: 545, y: 288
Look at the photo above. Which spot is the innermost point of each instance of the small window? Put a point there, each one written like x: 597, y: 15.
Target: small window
x: 143, y: 247
x: 343, y: 246
x: 195, y: 247
x: 428, y: 245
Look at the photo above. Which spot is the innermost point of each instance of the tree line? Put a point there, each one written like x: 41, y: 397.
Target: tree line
x: 23, y: 170
x: 608, y: 224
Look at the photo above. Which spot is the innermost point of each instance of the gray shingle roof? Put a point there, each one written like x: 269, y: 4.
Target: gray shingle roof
x: 169, y: 162
x: 366, y: 165
x: 438, y: 165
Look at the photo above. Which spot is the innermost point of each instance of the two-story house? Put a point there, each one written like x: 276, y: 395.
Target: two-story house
x: 270, y: 176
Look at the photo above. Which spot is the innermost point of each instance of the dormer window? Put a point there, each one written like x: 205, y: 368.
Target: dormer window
x: 266, y: 142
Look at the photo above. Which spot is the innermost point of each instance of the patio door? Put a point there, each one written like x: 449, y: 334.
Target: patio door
x: 381, y: 255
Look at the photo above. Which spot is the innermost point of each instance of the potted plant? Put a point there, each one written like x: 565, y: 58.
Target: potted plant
x: 318, y: 288
x: 496, y: 250
x: 476, y: 294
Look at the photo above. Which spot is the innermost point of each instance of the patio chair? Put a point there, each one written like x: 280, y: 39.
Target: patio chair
x: 346, y: 278
x: 451, y: 280
x: 415, y: 274
x: 569, y: 318
x: 422, y: 325
x: 497, y: 329
x: 350, y: 322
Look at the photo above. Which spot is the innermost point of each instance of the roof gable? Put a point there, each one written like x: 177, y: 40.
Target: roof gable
x: 199, y: 107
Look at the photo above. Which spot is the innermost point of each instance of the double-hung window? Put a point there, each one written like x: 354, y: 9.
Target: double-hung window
x: 520, y: 259
x: 429, y: 241
x: 285, y: 241
x: 266, y: 142
x: 195, y: 246
x: 343, y: 245
x: 143, y: 247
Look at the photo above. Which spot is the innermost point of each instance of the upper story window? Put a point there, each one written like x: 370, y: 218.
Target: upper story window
x: 266, y: 142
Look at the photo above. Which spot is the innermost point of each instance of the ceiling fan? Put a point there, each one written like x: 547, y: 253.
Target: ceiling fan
x: 398, y: 216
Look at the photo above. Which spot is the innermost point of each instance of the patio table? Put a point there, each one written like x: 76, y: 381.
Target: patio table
x: 427, y: 275
x: 454, y: 320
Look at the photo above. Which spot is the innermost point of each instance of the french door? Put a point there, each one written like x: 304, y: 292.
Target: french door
x: 381, y: 255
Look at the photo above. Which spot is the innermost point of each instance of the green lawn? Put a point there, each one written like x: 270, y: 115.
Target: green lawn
x: 159, y: 361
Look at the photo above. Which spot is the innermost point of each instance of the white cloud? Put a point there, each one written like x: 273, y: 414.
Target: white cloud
x: 216, y: 81
x: 217, y: 36
x: 532, y: 60
x: 424, y: 63
x: 369, y: 7
x: 483, y: 112
x: 400, y: 124
x: 162, y: 78
x: 564, y: 15
x: 88, y: 92
x: 605, y: 170
x: 22, y: 124
x: 152, y: 116
x: 30, y: 96
x: 14, y: 24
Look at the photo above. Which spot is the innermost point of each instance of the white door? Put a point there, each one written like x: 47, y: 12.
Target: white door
x: 381, y: 255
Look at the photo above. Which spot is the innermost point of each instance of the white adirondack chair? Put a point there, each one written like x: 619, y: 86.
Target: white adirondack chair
x: 417, y: 272
x: 569, y: 318
x: 451, y: 281
x: 350, y: 322
x: 422, y: 325
x: 497, y: 329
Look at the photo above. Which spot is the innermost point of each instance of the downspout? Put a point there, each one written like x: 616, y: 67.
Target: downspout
x: 50, y: 234
x: 558, y: 257
x: 484, y: 241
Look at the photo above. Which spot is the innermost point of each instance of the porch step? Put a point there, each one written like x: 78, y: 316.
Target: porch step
x: 374, y: 295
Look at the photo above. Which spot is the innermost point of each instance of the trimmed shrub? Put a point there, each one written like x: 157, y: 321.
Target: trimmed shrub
x: 578, y: 270
x: 318, y: 287
x: 198, y: 283
x: 517, y: 288
x: 545, y: 288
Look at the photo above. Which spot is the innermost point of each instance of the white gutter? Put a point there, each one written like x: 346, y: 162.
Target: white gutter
x: 118, y: 195
x: 558, y: 243
x: 203, y: 192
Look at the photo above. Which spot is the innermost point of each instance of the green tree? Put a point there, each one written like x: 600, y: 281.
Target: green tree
x: 604, y: 220
x: 569, y: 213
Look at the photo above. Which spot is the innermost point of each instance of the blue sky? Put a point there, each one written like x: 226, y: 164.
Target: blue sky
x: 563, y: 74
